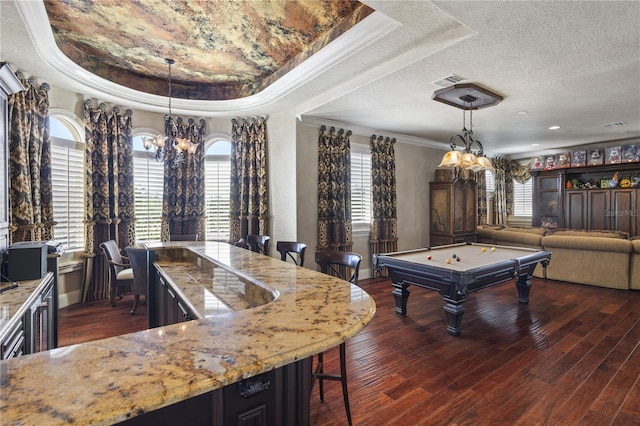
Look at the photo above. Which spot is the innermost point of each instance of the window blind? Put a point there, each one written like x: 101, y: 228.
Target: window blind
x: 523, y: 198
x: 217, y: 195
x: 67, y: 174
x: 148, y: 182
x: 360, y: 187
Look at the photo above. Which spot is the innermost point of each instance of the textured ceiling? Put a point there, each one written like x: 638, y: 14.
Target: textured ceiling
x: 222, y: 49
x: 575, y: 64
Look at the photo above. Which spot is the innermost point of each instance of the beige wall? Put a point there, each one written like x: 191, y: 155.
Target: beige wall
x: 415, y: 168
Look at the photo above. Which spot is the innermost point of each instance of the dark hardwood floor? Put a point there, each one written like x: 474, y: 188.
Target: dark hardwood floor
x: 570, y: 357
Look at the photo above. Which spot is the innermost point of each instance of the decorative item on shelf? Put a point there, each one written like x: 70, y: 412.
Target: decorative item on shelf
x: 579, y: 158
x: 614, y: 180
x: 169, y: 147
x: 467, y: 97
x: 563, y: 160
x: 550, y: 162
x: 536, y: 163
x: 625, y: 183
x: 631, y: 153
x: 613, y: 155
x: 596, y: 157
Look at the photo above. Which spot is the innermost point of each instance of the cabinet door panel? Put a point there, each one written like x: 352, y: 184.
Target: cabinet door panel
x: 440, y: 205
x: 623, y: 210
x: 598, y: 210
x: 459, y: 207
x: 576, y: 210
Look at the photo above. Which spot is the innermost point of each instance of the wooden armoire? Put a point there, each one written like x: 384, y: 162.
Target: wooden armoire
x: 453, y: 201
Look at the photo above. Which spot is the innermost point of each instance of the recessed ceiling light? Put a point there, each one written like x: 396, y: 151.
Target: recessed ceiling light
x: 554, y: 127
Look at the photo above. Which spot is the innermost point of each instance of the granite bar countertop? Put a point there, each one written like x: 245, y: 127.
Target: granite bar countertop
x: 16, y: 301
x: 111, y: 380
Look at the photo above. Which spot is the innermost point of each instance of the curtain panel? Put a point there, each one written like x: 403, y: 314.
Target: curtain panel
x: 481, y: 181
x: 110, y: 208
x: 383, y: 237
x: 30, y: 189
x: 183, y: 201
x: 334, y: 190
x: 249, y: 202
x: 506, y: 171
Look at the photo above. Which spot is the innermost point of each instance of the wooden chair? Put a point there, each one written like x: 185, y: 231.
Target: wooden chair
x: 258, y: 243
x: 120, y: 271
x: 289, y: 248
x: 341, y: 264
x: 138, y: 259
x: 186, y: 237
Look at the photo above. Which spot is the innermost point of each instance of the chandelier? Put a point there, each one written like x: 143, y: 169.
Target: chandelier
x: 472, y: 156
x: 467, y: 96
x: 170, y: 147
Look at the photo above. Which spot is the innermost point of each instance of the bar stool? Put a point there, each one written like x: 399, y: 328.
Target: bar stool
x: 337, y: 263
x: 258, y: 243
x: 290, y: 248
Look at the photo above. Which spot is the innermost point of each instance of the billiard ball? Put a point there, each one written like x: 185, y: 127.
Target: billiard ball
x: 448, y: 260
x: 484, y: 249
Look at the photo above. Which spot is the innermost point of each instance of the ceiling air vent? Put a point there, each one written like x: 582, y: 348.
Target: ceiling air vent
x: 449, y: 80
x: 616, y: 124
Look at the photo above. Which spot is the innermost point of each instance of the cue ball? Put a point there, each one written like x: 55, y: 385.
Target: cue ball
x: 493, y: 249
x: 428, y: 257
x: 448, y: 260
x: 484, y: 249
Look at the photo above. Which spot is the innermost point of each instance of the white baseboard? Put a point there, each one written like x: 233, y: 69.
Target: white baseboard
x: 70, y: 298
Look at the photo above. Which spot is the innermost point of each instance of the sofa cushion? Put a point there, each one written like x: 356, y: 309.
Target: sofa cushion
x: 595, y: 233
x: 528, y: 230
x: 616, y: 245
x: 511, y: 237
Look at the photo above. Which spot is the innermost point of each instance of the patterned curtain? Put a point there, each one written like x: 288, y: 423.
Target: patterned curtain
x: 503, y: 194
x: 506, y: 171
x: 183, y: 205
x: 30, y: 189
x: 249, y: 203
x: 383, y: 237
x: 481, y: 181
x: 334, y: 190
x: 110, y: 213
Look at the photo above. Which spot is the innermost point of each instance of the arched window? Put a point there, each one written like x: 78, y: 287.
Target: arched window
x: 148, y: 181
x: 217, y: 184
x: 67, y: 166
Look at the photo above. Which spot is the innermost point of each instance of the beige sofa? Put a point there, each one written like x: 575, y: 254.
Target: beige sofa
x: 515, y: 237
x: 600, y: 258
x: 634, y: 274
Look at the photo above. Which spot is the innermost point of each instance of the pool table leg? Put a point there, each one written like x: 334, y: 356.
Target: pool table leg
x: 523, y: 284
x: 454, y: 311
x: 401, y: 295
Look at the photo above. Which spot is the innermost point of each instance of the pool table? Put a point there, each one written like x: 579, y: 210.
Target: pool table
x: 458, y: 269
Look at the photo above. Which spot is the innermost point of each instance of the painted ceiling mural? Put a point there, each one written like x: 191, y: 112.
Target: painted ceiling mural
x: 222, y: 49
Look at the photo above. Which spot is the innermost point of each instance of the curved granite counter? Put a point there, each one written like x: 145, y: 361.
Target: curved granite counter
x: 111, y: 380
